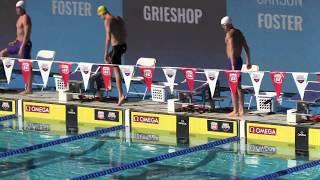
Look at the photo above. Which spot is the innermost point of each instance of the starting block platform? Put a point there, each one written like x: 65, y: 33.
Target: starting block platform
x: 201, y: 90
x: 311, y: 98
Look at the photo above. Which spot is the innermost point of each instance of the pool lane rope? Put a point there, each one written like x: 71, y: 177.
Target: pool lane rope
x: 8, y: 117
x: 139, y: 163
x: 58, y: 141
x: 289, y: 170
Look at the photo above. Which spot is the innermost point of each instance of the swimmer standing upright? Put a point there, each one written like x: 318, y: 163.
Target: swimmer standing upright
x: 235, y: 41
x: 116, y: 35
x: 22, y: 45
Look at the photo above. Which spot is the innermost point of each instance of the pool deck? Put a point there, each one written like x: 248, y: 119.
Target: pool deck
x: 153, y: 116
x: 148, y: 105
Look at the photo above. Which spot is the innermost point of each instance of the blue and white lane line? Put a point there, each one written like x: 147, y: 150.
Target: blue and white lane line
x: 58, y: 141
x: 8, y: 117
x: 289, y: 170
x: 139, y: 163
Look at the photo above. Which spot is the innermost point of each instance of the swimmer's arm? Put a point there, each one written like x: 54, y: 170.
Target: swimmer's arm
x: 230, y: 49
x: 27, y: 30
x: 108, y: 42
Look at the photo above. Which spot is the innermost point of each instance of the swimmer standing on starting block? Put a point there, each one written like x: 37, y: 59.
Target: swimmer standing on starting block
x: 116, y: 36
x: 235, y: 41
x: 22, y: 45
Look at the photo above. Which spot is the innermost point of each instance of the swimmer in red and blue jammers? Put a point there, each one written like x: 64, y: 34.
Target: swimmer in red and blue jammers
x: 235, y: 42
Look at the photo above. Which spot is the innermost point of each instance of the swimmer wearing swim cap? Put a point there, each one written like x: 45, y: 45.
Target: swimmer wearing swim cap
x: 226, y: 20
x: 20, y: 4
x: 235, y: 42
x: 101, y: 10
x: 116, y: 36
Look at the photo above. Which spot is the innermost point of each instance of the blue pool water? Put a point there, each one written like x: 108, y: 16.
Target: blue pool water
x: 91, y: 154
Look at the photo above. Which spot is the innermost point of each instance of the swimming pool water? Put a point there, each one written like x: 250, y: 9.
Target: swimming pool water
x: 91, y: 154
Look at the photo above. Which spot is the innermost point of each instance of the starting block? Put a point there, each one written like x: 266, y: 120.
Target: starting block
x: 311, y: 97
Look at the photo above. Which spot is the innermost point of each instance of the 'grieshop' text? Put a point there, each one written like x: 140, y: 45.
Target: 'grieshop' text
x: 172, y: 14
